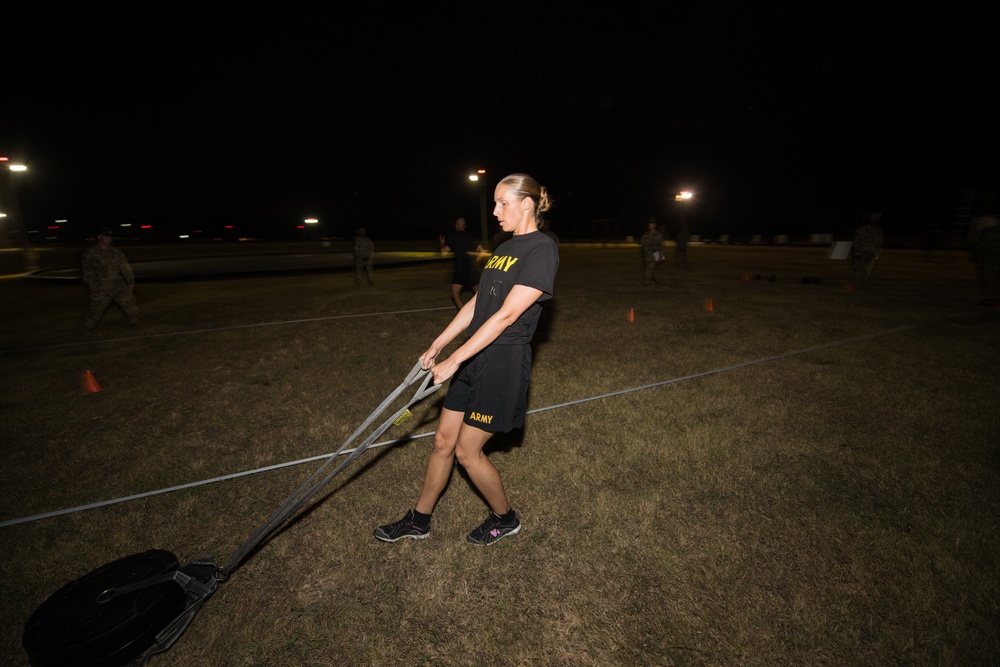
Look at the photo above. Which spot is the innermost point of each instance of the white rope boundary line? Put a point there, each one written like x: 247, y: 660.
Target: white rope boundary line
x: 846, y: 341
x: 223, y: 478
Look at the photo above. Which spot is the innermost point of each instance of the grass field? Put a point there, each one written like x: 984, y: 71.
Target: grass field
x: 803, y: 474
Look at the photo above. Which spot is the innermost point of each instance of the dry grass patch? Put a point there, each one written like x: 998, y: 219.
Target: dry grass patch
x: 796, y: 477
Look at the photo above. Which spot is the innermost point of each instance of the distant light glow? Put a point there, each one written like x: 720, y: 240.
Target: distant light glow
x: 228, y: 227
x: 683, y: 195
x: 311, y: 221
x: 184, y: 236
x: 18, y: 167
x: 126, y: 224
x: 474, y: 177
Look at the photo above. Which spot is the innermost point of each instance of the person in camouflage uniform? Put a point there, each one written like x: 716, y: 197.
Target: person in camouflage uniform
x: 652, y: 252
x: 987, y: 254
x: 866, y: 248
x: 108, y: 275
x: 364, y: 257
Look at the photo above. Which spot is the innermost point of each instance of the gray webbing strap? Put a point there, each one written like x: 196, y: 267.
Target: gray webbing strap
x: 311, y: 486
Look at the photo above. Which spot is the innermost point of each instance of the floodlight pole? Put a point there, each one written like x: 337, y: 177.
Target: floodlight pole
x: 478, y: 177
x: 28, y: 254
x: 686, y: 199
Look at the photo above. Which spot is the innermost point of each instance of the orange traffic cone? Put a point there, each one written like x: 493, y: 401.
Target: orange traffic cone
x: 709, y: 306
x: 631, y: 314
x: 90, y: 383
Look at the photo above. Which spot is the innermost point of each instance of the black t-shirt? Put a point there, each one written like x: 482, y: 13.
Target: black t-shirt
x: 526, y: 259
x: 463, y: 244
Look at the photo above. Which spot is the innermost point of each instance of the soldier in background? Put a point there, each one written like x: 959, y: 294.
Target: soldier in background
x: 364, y: 257
x: 109, y: 277
x: 652, y: 252
x: 866, y: 248
x: 467, y: 250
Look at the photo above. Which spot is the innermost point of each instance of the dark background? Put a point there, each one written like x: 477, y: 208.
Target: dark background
x: 781, y: 121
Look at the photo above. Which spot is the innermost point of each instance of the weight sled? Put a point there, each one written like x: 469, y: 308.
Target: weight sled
x: 126, y: 611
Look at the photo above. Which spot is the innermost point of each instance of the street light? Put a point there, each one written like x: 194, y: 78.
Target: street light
x: 685, y: 210
x: 29, y: 255
x: 478, y: 178
x: 311, y: 226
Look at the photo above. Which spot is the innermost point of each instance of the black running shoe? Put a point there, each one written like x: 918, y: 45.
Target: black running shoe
x: 494, y: 529
x: 405, y: 527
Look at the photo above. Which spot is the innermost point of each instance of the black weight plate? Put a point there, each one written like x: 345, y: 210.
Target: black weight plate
x: 72, y: 628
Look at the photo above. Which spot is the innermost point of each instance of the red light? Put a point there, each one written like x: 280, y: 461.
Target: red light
x: 301, y: 227
x: 228, y: 227
x: 145, y: 226
x: 53, y: 226
x: 3, y: 159
x: 480, y: 171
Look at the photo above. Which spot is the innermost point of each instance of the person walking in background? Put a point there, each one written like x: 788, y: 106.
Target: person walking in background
x: 489, y: 372
x: 467, y: 250
x: 681, y: 252
x: 364, y: 257
x: 109, y: 277
x: 652, y: 252
x: 866, y: 248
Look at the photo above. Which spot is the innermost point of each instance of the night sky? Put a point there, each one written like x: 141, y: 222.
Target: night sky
x: 781, y: 121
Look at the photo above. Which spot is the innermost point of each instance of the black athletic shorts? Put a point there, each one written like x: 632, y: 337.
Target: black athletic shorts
x: 465, y: 275
x: 491, y: 389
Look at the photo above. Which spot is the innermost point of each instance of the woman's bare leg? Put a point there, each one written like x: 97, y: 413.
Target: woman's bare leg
x: 441, y: 461
x: 482, y: 472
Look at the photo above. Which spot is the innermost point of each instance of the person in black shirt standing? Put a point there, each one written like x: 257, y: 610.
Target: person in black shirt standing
x: 467, y: 249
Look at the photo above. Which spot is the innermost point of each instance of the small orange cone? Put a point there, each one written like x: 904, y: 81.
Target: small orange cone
x: 709, y: 306
x: 90, y: 383
x: 631, y: 314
